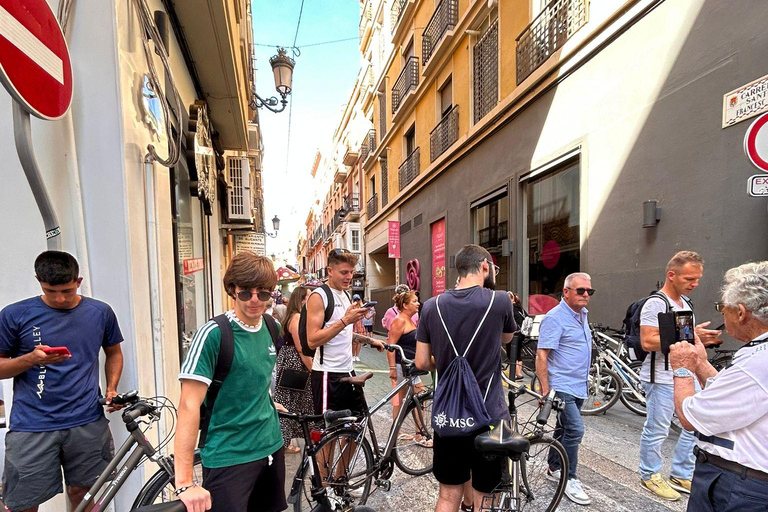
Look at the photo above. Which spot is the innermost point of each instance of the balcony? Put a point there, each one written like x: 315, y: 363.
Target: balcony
x: 492, y: 236
x: 547, y: 34
x: 372, y: 208
x: 351, y: 207
x: 445, y: 17
x: 405, y: 83
x: 350, y: 157
x: 341, y: 174
x: 409, y: 169
x: 444, y: 134
x: 396, y: 12
x: 338, y: 219
x: 365, y: 22
x: 369, y: 145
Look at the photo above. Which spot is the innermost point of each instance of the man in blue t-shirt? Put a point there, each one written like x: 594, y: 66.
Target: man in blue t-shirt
x: 56, y: 420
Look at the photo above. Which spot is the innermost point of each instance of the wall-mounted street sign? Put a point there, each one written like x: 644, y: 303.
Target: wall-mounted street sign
x: 745, y: 102
x: 34, y: 59
x: 254, y: 242
x: 756, y: 143
x: 757, y: 186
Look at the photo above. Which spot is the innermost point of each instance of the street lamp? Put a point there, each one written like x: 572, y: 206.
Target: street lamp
x: 275, y: 226
x: 282, y: 68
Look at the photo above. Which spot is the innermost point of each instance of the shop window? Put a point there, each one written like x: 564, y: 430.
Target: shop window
x: 553, y: 230
x: 490, y: 229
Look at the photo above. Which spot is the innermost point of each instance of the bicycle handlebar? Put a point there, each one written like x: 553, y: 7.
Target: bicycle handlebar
x: 392, y: 348
x: 129, y: 397
x: 546, y: 408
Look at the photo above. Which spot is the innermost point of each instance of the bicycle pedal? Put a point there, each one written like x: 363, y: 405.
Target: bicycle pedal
x: 384, y: 484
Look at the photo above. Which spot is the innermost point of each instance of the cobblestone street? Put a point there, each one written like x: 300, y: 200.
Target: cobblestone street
x: 608, y: 459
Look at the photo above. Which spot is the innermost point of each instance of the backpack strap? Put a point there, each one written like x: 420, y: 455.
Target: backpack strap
x: 450, y: 339
x: 274, y: 331
x: 328, y: 311
x: 223, y: 365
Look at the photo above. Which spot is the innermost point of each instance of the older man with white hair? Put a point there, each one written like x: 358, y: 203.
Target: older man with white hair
x: 562, y: 363
x: 730, y: 415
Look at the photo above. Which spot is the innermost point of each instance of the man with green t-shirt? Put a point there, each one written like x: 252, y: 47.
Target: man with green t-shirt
x: 243, y: 463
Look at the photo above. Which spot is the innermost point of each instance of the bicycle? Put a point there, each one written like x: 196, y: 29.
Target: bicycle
x: 351, y: 458
x: 614, y: 356
x: 138, y: 449
x: 527, y: 485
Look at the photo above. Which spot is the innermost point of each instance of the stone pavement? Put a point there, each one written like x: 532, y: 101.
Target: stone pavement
x: 608, y: 459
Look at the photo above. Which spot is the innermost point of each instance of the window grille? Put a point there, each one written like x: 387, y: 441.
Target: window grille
x: 485, y: 56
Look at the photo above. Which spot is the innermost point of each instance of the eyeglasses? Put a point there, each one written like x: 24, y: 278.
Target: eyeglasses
x: 245, y: 295
x: 580, y: 291
x: 496, y: 268
x: 720, y: 306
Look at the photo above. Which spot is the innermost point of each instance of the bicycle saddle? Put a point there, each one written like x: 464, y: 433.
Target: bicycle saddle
x: 502, y: 440
x: 357, y: 380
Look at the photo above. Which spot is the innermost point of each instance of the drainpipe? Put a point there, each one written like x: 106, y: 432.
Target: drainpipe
x: 22, y: 133
x: 153, y: 260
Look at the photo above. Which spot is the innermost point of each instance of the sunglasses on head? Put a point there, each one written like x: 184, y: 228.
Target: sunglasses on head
x: 245, y: 295
x: 339, y: 252
x: 580, y: 291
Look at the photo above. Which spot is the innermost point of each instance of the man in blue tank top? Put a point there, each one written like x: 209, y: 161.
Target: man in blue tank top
x: 56, y: 420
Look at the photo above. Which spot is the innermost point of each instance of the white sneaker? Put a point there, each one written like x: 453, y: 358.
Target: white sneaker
x: 575, y: 492
x: 553, y: 476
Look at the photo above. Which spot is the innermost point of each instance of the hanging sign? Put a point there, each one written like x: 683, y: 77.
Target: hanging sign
x: 394, y: 239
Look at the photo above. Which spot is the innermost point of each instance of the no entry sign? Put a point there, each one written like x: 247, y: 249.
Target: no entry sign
x: 756, y: 143
x: 34, y: 59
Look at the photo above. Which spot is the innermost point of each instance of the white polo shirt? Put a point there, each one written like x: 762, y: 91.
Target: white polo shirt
x: 337, y: 353
x: 731, y: 412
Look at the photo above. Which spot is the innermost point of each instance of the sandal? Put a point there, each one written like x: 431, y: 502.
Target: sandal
x: 292, y: 449
x: 426, y: 443
x: 467, y: 508
x: 405, y: 437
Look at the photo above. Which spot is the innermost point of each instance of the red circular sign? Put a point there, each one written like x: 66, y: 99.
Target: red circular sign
x: 756, y: 143
x: 550, y: 254
x: 34, y: 59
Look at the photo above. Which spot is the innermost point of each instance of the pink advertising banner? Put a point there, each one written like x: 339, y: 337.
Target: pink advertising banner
x: 394, y: 239
x: 438, y: 257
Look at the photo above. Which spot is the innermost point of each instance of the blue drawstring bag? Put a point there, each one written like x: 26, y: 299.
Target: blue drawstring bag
x: 458, y: 408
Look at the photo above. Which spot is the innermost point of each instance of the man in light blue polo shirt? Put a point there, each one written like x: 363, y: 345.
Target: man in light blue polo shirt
x: 562, y: 364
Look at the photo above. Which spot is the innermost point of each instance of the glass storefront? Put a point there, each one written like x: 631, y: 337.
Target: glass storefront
x: 490, y: 229
x: 552, y: 227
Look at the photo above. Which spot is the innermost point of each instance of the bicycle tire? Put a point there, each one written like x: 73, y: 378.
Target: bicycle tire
x: 536, y: 486
x: 159, y: 488
x: 338, y: 488
x: 411, y: 456
x: 628, y: 398
x: 601, y: 395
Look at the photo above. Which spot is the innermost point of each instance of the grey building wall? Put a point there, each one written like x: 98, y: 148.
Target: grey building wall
x: 681, y: 156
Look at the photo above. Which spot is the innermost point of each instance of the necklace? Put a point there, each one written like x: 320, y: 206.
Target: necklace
x: 243, y: 324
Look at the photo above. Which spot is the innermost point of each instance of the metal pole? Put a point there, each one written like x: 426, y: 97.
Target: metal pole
x: 23, y: 136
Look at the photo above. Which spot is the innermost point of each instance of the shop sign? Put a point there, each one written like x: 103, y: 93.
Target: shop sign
x: 756, y: 143
x: 186, y: 246
x: 413, y: 275
x: 745, y: 102
x: 438, y: 257
x: 254, y: 242
x: 394, y: 239
x: 757, y: 186
x: 193, y: 265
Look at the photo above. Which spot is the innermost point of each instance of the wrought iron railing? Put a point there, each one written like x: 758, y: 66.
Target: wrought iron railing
x: 548, y: 32
x: 493, y: 235
x: 444, y: 18
x: 409, y: 169
x: 384, y: 182
x: 369, y: 145
x: 365, y: 17
x: 398, y: 6
x: 406, y: 82
x: 382, y: 113
x: 372, y: 208
x: 485, y: 56
x: 352, y: 202
x: 444, y: 134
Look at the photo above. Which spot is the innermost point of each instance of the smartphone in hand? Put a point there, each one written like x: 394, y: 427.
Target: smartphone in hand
x: 369, y: 304
x: 62, y: 351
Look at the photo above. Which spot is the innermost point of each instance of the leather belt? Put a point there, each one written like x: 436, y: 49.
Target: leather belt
x: 728, y: 465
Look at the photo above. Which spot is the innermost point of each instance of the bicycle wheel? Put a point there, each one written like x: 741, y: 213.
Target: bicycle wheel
x: 540, y: 492
x: 413, y: 443
x: 628, y: 398
x: 159, y: 488
x: 346, y: 469
x: 603, y: 390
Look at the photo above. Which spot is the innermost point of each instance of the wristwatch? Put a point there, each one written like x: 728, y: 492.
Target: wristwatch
x: 683, y: 372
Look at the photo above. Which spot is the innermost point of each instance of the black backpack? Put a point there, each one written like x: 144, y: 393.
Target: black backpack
x: 223, y: 364
x: 632, y: 328
x: 305, y: 349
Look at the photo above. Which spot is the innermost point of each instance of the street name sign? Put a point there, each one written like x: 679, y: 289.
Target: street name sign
x: 745, y: 102
x: 34, y: 60
x: 254, y: 242
x: 756, y: 143
x: 757, y: 186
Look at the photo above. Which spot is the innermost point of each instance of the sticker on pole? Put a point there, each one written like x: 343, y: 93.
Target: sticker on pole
x: 34, y: 59
x: 756, y: 143
x: 757, y: 186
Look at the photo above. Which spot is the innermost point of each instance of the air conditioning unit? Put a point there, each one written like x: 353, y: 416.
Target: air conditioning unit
x: 239, y: 194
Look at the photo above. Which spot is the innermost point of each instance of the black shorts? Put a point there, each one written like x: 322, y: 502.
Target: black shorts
x: 328, y: 393
x: 369, y: 328
x: 257, y: 486
x: 455, y: 460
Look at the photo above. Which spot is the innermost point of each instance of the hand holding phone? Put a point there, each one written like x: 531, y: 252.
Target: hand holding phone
x: 59, y: 351
x: 370, y: 304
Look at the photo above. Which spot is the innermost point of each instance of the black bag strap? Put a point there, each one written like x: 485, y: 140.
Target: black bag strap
x: 223, y: 365
x: 667, y: 303
x: 274, y: 331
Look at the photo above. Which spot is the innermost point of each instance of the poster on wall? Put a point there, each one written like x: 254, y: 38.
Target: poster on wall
x: 394, y: 239
x: 438, y: 257
x: 254, y: 242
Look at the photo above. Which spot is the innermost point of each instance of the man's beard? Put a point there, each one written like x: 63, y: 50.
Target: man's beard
x: 489, y: 282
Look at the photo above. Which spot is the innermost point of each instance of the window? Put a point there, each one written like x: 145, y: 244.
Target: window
x: 354, y: 239
x: 553, y: 230
x: 490, y: 227
x: 446, y: 98
x: 485, y: 68
x: 410, y: 141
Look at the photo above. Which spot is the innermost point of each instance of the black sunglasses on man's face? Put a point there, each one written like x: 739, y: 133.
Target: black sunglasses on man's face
x: 245, y: 295
x: 580, y: 291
